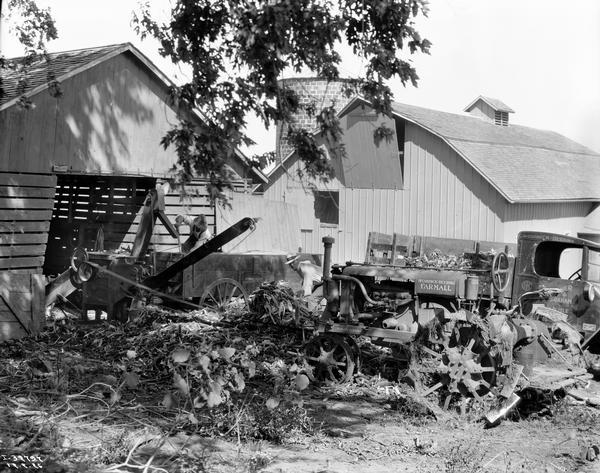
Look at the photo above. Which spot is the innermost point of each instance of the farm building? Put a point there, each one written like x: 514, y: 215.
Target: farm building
x: 77, y: 166
x: 472, y: 176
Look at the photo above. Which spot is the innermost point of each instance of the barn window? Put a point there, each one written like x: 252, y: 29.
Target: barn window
x: 501, y: 118
x: 327, y: 207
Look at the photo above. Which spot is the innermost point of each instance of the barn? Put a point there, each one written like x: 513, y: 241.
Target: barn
x: 473, y: 176
x: 76, y: 166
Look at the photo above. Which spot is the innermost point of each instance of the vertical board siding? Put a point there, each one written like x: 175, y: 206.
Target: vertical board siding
x: 110, y: 118
x: 277, y: 230
x: 555, y: 218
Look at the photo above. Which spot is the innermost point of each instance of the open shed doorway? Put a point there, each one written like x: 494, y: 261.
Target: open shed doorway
x: 92, y: 212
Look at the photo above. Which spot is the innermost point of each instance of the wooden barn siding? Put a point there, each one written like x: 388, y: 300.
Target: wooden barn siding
x: 560, y: 218
x: 483, y: 110
x: 26, y: 202
x: 110, y: 118
x: 443, y: 196
x: 278, y: 229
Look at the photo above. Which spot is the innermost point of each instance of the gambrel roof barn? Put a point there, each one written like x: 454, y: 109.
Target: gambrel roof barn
x: 472, y: 176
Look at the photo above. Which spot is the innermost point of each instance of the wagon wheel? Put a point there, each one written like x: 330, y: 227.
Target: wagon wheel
x: 224, y: 293
x: 500, y: 271
x: 331, y: 357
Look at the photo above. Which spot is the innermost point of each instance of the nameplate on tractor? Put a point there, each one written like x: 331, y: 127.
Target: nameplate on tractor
x: 438, y: 287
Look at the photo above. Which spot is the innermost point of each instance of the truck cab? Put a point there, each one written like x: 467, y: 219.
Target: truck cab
x: 563, y: 273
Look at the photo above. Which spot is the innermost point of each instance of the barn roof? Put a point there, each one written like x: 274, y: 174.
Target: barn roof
x: 62, y: 65
x: 65, y: 64
x: 524, y: 164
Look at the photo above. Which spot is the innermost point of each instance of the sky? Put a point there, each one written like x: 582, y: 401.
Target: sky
x: 540, y: 57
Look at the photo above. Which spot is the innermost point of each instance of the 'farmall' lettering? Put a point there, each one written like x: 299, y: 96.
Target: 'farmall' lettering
x: 433, y: 286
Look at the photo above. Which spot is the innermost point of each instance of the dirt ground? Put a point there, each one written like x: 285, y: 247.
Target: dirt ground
x: 357, y: 433
x: 79, y: 399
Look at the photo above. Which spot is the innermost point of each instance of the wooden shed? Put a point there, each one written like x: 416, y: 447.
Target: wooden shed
x: 76, y: 166
x: 473, y: 177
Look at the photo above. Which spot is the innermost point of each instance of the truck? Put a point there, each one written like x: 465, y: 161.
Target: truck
x: 473, y: 322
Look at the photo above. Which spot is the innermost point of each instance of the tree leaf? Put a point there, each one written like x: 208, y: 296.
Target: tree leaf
x: 240, y: 384
x: 204, y: 362
x: 181, y: 384
x: 168, y: 401
x: 302, y: 382
x: 226, y: 353
x: 180, y: 355
x: 251, y: 369
x: 213, y: 399
x: 115, y: 396
x: 132, y: 380
x: 272, y: 403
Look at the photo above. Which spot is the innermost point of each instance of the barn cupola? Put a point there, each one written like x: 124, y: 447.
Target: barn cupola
x: 492, y: 110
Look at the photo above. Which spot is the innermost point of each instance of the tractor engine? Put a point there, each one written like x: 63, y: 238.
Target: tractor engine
x: 400, y: 298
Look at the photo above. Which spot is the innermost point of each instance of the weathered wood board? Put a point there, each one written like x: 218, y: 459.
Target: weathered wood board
x: 26, y: 203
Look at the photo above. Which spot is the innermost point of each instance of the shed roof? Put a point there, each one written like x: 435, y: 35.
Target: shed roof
x: 65, y: 64
x: 524, y: 164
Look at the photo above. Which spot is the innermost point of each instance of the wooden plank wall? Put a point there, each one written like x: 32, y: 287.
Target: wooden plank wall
x: 26, y: 202
x: 194, y: 200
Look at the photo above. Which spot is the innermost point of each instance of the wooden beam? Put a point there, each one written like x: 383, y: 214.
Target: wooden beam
x: 22, y: 227
x: 22, y: 250
x: 25, y: 203
x: 10, y: 214
x: 24, y: 262
x: 32, y: 192
x: 22, y: 238
x: 33, y: 180
x: 25, y: 327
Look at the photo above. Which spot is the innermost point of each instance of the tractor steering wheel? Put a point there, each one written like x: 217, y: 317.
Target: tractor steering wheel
x: 500, y: 271
x: 576, y: 276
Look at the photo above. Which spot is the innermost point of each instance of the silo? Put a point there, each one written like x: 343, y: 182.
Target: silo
x: 320, y: 92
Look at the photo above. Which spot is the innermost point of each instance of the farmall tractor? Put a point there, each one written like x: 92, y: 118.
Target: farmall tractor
x: 471, y: 328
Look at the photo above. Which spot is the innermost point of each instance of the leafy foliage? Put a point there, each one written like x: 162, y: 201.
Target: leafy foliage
x: 33, y: 27
x: 238, y: 49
